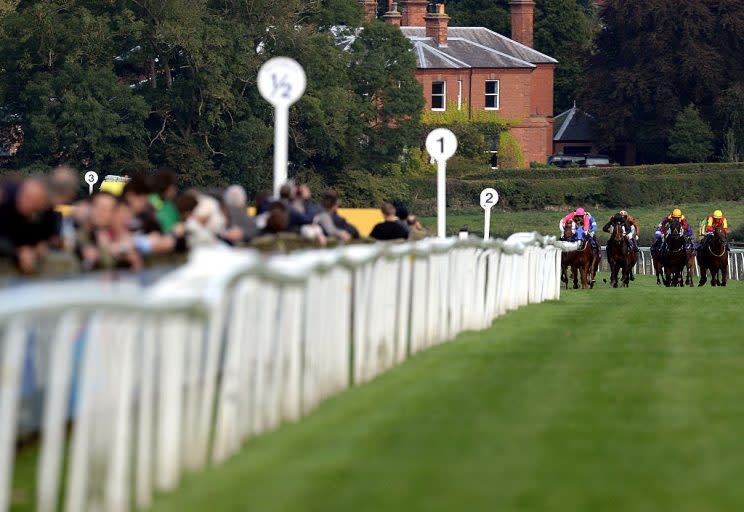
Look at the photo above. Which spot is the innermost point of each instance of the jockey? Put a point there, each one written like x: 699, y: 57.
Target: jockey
x: 631, y: 231
x: 586, y: 225
x: 716, y: 220
x: 676, y: 215
x: 633, y: 238
x: 686, y: 228
x: 711, y: 223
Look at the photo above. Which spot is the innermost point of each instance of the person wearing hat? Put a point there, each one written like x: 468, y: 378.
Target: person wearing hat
x: 687, y: 229
x: 586, y: 225
x: 717, y: 220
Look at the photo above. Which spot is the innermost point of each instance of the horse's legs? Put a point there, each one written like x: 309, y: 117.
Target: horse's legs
x: 575, y: 275
x: 613, y: 274
x: 703, y: 275
x: 724, y: 275
x: 585, y: 277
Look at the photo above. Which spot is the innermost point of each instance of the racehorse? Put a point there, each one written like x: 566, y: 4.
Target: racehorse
x: 581, y: 261
x: 675, y: 257
x: 714, y: 257
x: 657, y: 258
x: 619, y: 255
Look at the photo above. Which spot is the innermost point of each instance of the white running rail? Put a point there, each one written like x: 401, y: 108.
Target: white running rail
x: 163, y: 380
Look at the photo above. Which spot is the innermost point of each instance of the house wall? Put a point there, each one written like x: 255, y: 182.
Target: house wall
x: 524, y: 94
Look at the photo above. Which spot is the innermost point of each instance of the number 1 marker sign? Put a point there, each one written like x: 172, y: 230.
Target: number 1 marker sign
x: 281, y: 82
x: 441, y: 144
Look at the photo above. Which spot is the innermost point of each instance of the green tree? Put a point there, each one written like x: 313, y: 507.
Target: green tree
x: 691, y: 139
x: 389, y: 99
x: 730, y: 114
x: 654, y: 57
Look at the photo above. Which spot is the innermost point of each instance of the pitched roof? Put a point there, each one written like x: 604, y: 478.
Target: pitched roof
x: 472, y: 47
x: 573, y: 125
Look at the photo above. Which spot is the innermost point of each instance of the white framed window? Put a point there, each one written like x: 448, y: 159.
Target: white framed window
x: 439, y: 96
x: 459, y: 95
x: 492, y: 95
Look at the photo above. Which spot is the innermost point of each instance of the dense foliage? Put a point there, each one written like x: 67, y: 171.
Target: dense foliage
x: 125, y: 84
x: 654, y: 58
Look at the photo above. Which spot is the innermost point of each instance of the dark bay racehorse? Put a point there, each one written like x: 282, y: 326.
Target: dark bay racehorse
x: 675, y: 257
x: 582, y: 261
x: 620, y: 256
x: 714, y: 257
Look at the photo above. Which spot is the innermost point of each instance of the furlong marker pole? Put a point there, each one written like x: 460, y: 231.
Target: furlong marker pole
x: 441, y: 144
x: 281, y: 82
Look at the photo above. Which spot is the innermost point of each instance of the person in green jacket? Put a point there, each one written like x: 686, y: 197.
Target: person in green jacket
x: 166, y: 189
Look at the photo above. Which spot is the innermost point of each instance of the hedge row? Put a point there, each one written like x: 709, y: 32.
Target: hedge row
x: 613, y: 191
x: 640, y: 170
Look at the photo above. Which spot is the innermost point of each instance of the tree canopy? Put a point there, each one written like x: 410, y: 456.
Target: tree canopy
x: 655, y: 57
x: 130, y: 84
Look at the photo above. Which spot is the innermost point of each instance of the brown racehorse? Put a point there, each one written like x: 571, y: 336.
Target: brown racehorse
x: 658, y: 264
x: 619, y: 255
x: 675, y: 256
x: 581, y: 261
x: 714, y: 257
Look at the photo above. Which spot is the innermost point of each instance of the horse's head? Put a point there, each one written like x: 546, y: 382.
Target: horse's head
x: 675, y: 228
x: 719, y: 233
x: 618, y: 229
x: 568, y: 231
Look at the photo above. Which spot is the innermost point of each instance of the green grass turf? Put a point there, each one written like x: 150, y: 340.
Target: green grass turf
x: 505, y: 223
x: 611, y: 400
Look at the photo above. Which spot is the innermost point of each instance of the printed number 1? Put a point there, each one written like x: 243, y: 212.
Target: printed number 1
x: 441, y: 141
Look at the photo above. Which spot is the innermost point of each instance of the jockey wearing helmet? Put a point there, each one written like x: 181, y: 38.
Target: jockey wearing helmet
x: 585, y: 224
x: 717, y: 220
x: 676, y: 215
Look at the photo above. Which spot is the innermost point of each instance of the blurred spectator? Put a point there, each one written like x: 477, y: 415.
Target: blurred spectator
x: 401, y: 211
x: 235, y: 201
x: 28, y: 224
x: 277, y: 219
x: 64, y: 185
x: 390, y: 229
x: 203, y: 220
x: 116, y: 243
x: 136, y: 193
x: 107, y: 242
x: 165, y: 190
x: 297, y: 219
x: 416, y: 231
x: 324, y: 219
x: 304, y: 203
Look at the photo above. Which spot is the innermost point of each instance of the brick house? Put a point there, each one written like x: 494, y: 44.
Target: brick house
x: 475, y: 68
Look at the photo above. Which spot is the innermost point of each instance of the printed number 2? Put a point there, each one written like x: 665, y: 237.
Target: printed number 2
x: 281, y: 86
x: 489, y: 198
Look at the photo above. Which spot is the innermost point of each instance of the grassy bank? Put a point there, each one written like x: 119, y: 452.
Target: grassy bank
x: 546, y: 222
x: 592, y: 403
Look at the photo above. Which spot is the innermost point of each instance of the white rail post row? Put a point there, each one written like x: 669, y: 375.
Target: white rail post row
x: 231, y: 345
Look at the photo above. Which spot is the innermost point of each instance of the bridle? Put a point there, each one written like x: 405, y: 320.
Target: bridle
x: 710, y: 249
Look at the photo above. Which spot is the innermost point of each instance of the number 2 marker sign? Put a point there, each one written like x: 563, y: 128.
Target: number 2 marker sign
x: 488, y: 199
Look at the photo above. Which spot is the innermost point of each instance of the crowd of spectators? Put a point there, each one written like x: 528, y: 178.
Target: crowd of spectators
x: 151, y: 216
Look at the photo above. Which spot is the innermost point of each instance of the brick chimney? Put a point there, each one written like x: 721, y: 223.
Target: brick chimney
x: 522, y: 19
x: 393, y: 17
x: 437, y: 23
x: 370, y: 10
x: 414, y: 12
